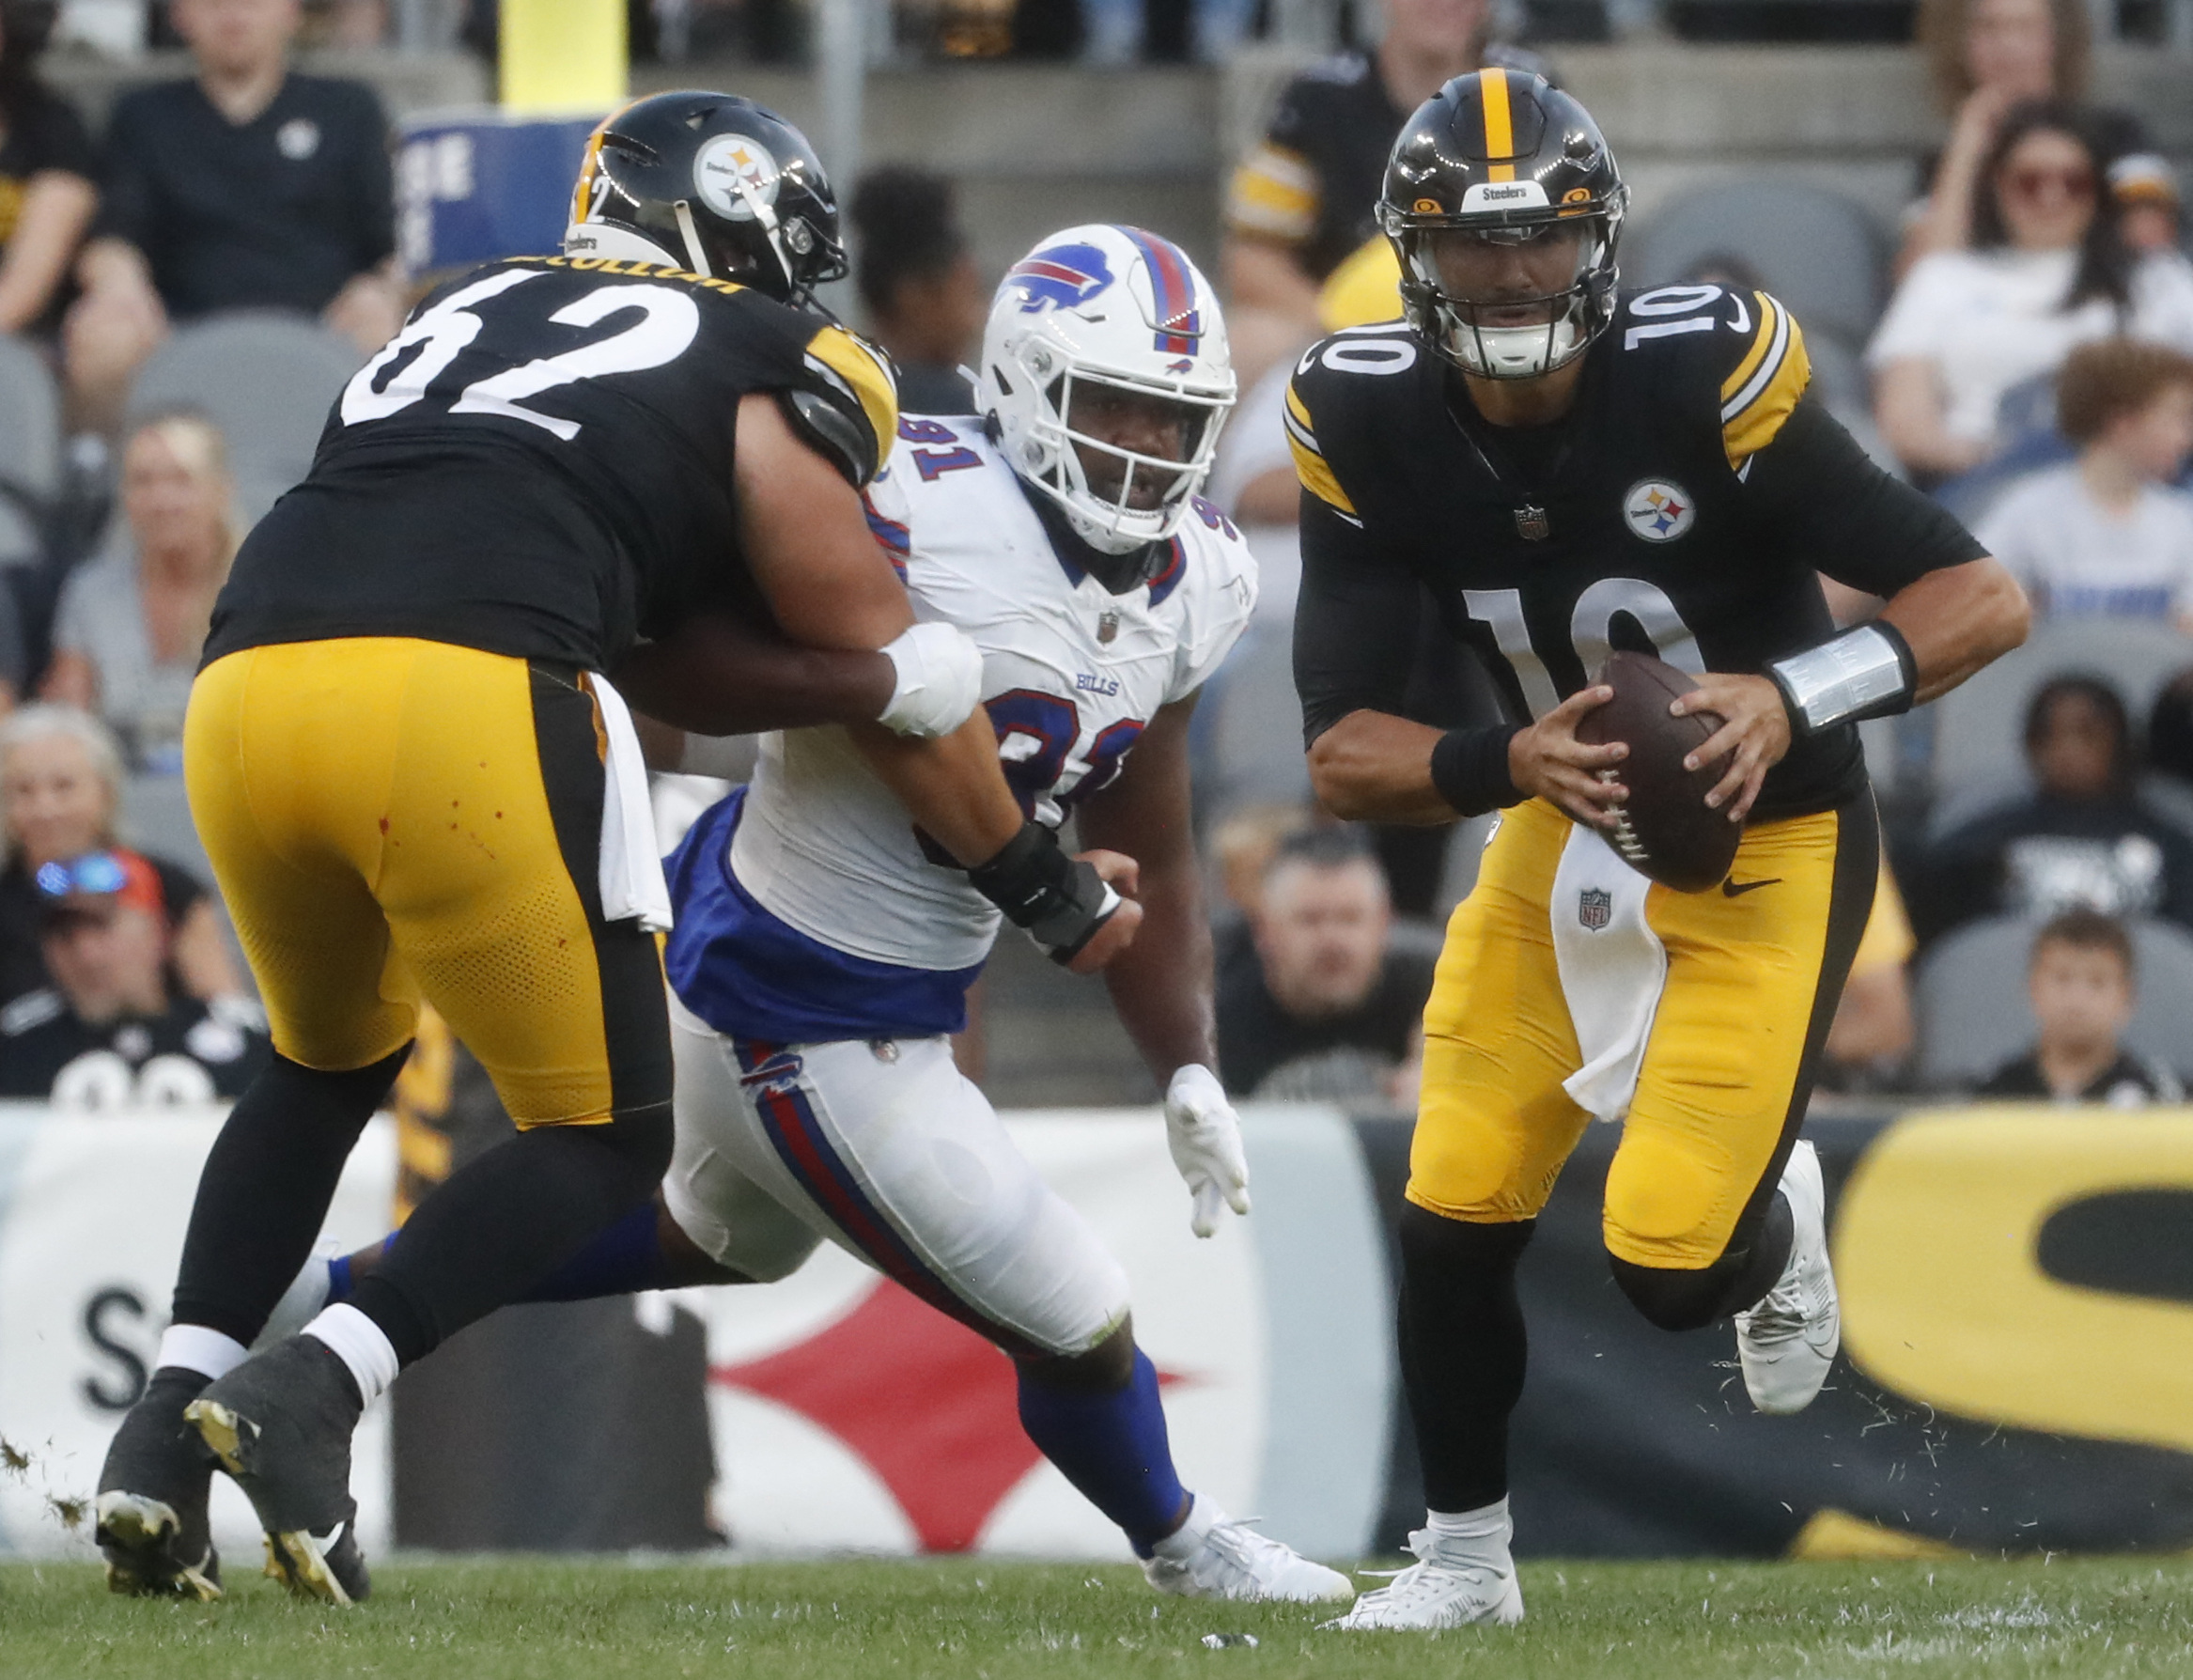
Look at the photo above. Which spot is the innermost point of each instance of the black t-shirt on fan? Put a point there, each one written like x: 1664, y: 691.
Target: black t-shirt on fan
x: 278, y: 212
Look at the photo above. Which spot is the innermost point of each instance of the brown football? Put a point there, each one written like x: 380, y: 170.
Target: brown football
x: 1666, y: 832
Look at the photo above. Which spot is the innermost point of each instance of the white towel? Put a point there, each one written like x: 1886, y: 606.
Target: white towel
x: 1612, y: 966
x: 632, y: 887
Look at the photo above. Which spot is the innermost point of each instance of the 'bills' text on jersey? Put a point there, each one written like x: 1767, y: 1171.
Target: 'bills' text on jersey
x: 807, y: 908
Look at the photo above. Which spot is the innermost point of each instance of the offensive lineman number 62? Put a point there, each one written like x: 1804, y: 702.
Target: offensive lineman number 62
x: 669, y: 321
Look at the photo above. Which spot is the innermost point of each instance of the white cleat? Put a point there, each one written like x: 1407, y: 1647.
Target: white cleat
x: 1213, y: 1556
x: 1437, y: 1593
x: 1787, y: 1342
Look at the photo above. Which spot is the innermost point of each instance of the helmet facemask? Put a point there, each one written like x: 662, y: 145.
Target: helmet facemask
x: 1117, y: 497
x: 1510, y: 297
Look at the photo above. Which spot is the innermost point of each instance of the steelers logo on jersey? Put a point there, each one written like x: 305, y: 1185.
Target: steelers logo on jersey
x: 729, y: 164
x: 1657, y: 510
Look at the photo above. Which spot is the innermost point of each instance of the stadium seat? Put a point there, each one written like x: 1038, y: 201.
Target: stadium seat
x: 1978, y: 755
x: 1816, y: 250
x: 1973, y: 1016
x: 264, y: 377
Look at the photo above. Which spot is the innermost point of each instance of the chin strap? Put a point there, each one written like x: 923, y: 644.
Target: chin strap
x: 697, y: 255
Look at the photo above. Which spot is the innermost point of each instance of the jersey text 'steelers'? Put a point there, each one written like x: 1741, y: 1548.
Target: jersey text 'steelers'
x: 1681, y: 509
x: 539, y: 463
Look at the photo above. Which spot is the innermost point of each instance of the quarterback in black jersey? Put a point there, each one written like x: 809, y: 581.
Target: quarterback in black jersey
x: 416, y: 785
x: 1572, y: 470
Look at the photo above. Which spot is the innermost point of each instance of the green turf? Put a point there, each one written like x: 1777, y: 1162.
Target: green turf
x: 590, y: 1619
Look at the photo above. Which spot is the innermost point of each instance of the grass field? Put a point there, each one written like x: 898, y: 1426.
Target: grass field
x: 509, y: 1619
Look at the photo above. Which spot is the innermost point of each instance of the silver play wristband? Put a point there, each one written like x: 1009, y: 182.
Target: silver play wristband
x: 1864, y: 672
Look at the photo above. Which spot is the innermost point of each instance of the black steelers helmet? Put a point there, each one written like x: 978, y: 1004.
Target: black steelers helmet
x: 1495, y: 161
x: 714, y: 182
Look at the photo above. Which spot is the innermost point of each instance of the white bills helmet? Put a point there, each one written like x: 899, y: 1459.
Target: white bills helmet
x: 1118, y: 308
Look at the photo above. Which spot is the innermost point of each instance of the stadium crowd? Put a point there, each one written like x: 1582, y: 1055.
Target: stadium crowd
x: 2033, y: 367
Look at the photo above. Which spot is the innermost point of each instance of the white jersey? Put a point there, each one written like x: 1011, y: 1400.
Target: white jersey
x: 1072, y: 674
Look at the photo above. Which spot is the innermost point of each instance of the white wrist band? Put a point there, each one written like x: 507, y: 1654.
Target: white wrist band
x: 1864, y: 672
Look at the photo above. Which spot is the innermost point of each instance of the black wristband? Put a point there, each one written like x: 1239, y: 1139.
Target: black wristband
x: 1061, y: 901
x: 1470, y: 767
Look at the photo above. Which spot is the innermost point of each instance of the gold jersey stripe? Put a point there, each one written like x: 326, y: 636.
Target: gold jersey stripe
x: 1759, y: 396
x: 1499, y: 123
x: 870, y: 378
x: 1310, y: 465
x: 1761, y: 341
x: 1266, y: 203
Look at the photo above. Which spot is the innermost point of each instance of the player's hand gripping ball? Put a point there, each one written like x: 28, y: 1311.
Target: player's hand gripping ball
x: 1665, y: 830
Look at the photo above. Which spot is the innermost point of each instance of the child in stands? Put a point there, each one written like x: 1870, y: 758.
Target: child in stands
x: 2105, y: 536
x: 2082, y: 982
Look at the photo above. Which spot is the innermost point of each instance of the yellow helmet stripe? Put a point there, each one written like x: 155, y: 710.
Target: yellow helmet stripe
x: 1499, y: 125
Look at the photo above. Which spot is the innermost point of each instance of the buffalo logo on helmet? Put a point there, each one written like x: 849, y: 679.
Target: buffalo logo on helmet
x: 1594, y: 908
x: 1657, y: 510
x: 731, y: 172
x: 1059, y: 277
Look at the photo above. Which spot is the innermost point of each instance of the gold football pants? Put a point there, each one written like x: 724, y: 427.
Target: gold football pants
x: 1753, y: 981
x: 391, y: 820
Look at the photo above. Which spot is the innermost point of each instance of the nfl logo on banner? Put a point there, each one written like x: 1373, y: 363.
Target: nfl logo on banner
x: 1594, y: 908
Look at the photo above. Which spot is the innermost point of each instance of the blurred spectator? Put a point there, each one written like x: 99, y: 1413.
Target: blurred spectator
x: 924, y: 295
x: 1984, y: 56
x: 2081, y: 984
x: 2170, y: 732
x: 60, y: 785
x: 247, y: 187
x: 2082, y: 838
x: 131, y: 623
x: 2103, y: 536
x: 107, y: 1032
x: 1306, y: 197
x: 2144, y: 189
x: 46, y: 169
x: 1329, y: 986
x: 1243, y: 847
x: 2047, y: 271
x: 1872, y: 1033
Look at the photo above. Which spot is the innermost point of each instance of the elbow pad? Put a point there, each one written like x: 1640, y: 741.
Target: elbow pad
x: 831, y: 433
x: 938, y: 681
x: 1060, y: 901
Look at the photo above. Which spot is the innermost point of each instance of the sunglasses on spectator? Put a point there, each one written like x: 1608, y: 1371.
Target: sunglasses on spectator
x: 96, y: 872
x: 2033, y: 182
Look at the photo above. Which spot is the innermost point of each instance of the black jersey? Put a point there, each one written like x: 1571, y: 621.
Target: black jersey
x: 1681, y: 507
x: 539, y: 463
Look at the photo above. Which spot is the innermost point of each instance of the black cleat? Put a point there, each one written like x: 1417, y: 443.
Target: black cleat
x: 152, y: 1490
x: 281, y: 1424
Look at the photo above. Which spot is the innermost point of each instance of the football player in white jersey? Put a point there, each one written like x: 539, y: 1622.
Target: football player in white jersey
x: 824, y: 946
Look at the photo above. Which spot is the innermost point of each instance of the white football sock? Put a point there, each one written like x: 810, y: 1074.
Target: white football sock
x: 359, y: 1343
x: 196, y: 1348
x: 1473, y: 1537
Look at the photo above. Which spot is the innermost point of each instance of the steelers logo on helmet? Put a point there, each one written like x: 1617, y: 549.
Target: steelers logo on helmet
x: 733, y: 173
x: 1659, y: 510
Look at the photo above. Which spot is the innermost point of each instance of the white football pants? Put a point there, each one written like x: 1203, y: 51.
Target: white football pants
x: 884, y: 1149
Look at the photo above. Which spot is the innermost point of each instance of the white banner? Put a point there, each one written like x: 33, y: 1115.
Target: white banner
x: 845, y: 1415
x: 92, y: 1211
x: 848, y: 1415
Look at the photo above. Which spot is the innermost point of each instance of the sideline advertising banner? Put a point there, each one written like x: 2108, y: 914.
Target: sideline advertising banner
x: 2017, y: 1370
x: 92, y: 1211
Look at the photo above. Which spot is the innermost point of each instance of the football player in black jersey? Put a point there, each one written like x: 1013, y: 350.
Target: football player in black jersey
x: 415, y: 783
x: 1569, y: 472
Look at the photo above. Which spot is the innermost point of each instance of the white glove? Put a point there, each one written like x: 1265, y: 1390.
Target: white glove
x: 1205, y: 1139
x: 940, y: 681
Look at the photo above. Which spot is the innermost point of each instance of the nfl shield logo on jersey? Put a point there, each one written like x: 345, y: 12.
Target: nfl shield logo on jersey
x: 1107, y: 627
x: 1594, y: 908
x: 1659, y: 511
x: 1532, y: 524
